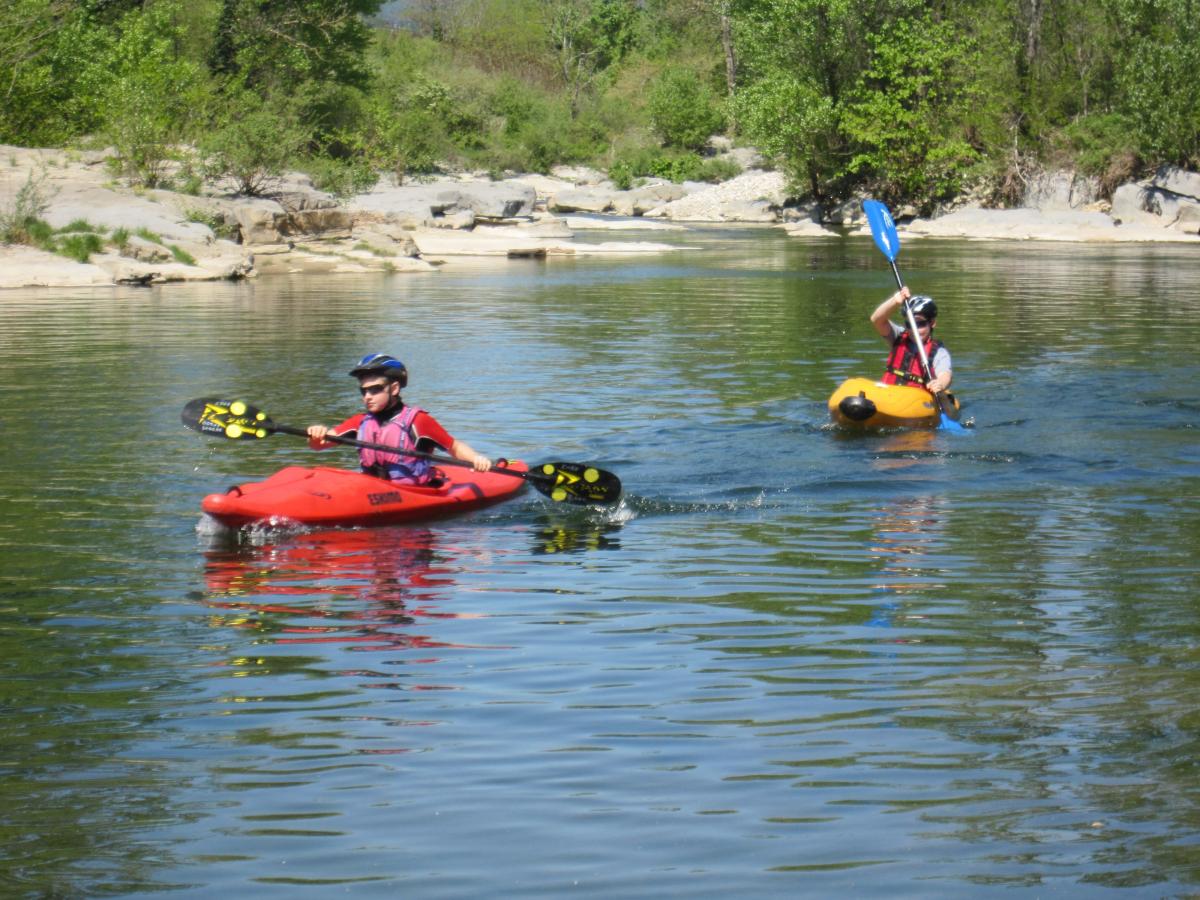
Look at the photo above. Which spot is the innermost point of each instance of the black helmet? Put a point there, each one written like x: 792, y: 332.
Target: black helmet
x: 923, y: 305
x: 381, y: 364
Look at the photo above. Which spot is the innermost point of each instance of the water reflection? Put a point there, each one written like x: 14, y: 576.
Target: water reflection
x: 369, y: 590
x: 568, y: 537
x: 906, y: 531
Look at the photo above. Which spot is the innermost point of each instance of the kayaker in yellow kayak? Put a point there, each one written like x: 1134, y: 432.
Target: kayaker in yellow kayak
x: 388, y: 420
x: 904, y: 363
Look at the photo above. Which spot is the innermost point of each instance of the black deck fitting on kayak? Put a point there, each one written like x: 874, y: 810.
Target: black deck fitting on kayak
x: 857, y: 409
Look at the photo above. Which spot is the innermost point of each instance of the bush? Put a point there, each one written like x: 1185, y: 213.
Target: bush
x: 20, y: 220
x: 1105, y: 146
x: 151, y: 96
x: 674, y: 166
x: 253, y: 142
x: 79, y: 246
x: 683, y: 110
x: 341, y: 177
x: 78, y: 225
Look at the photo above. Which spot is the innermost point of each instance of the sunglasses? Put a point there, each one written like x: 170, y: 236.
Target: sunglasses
x: 372, y: 389
x: 921, y: 323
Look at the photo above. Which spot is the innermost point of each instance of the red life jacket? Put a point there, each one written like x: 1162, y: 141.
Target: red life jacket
x: 395, y: 432
x: 904, y: 363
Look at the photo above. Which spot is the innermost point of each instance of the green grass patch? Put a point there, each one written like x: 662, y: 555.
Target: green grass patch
x: 182, y: 255
x: 79, y: 225
x: 79, y: 246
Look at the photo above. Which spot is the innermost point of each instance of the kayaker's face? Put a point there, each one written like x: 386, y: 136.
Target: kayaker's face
x: 924, y: 327
x: 378, y: 393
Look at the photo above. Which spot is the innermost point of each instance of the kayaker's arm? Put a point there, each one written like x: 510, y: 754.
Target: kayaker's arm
x: 462, y: 450
x: 317, y: 434
x: 881, y: 318
x: 940, y: 382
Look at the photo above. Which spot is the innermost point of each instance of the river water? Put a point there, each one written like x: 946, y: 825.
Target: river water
x: 791, y: 663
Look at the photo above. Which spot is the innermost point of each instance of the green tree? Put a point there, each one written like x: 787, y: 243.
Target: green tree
x: 587, y: 37
x: 150, y: 98
x: 908, y: 112
x: 46, y: 50
x: 276, y: 46
x: 252, y: 141
x: 683, y: 109
x: 1158, y: 77
x: 797, y: 61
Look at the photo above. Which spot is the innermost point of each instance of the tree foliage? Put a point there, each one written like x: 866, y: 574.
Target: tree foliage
x: 910, y: 99
x: 150, y: 97
x: 683, y: 109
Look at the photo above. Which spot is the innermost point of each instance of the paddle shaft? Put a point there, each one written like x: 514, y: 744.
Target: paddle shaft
x: 916, y: 334
x: 386, y: 448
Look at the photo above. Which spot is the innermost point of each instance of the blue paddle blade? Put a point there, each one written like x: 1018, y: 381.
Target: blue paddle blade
x: 883, y: 229
x: 950, y: 425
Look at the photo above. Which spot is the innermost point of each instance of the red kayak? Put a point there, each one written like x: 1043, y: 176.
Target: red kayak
x: 333, y: 497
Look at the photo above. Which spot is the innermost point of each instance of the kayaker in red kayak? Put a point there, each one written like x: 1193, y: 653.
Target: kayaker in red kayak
x: 904, y: 363
x: 388, y: 420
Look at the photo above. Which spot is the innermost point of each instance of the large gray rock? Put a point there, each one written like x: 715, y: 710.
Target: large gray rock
x: 146, y: 251
x: 1131, y: 204
x: 498, y: 200
x: 317, y: 224
x: 110, y: 210
x: 420, y: 205
x: 1035, y: 225
x: 259, y: 220
x: 386, y: 240
x: 1061, y: 191
x: 580, y: 201
x: 1146, y: 204
x: 1177, y: 181
x: 847, y: 214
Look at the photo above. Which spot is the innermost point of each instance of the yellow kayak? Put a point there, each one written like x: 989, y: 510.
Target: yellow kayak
x: 862, y: 403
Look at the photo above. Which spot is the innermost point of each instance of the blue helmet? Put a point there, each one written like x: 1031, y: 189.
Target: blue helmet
x: 381, y: 364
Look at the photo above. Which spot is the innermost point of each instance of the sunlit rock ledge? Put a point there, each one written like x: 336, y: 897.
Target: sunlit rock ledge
x: 157, y: 236
x: 1039, y: 225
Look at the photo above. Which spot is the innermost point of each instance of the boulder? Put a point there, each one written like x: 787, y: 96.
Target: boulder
x: 1147, y: 204
x: 498, y: 200
x: 458, y: 204
x: 580, y: 201
x: 109, y: 210
x: 847, y: 215
x: 1131, y: 204
x: 1177, y: 181
x: 259, y: 220
x: 579, y: 175
x: 385, y: 242
x: 328, y: 223
x: 146, y: 251
x: 1061, y: 190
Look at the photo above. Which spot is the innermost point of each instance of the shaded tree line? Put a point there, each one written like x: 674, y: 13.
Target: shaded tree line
x: 914, y: 100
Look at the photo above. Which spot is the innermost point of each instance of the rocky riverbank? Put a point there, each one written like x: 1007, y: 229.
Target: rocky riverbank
x: 155, y: 236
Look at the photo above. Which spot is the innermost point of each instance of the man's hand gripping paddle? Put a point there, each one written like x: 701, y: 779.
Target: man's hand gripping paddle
x: 560, y: 481
x: 883, y: 229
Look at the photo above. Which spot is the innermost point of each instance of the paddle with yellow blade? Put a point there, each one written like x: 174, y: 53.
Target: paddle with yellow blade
x: 563, y: 482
